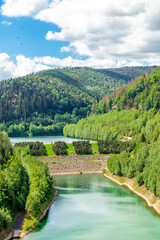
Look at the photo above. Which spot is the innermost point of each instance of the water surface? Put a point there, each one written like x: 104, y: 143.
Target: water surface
x: 90, y: 207
x: 44, y: 139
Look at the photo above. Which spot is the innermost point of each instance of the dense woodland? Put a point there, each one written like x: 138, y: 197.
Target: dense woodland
x: 25, y: 183
x: 40, y: 190
x: 131, y: 111
x: 43, y: 103
x: 134, y: 112
x: 13, y: 186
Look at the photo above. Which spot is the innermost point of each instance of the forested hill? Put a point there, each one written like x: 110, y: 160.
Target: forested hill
x: 142, y: 93
x: 134, y: 114
x: 43, y: 103
x: 128, y: 111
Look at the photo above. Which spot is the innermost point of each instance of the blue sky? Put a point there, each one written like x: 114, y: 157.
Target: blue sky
x: 41, y: 34
x: 27, y: 37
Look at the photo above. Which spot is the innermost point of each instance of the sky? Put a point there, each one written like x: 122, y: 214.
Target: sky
x: 42, y: 34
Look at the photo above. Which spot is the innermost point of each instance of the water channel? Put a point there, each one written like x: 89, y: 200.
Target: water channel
x: 90, y: 207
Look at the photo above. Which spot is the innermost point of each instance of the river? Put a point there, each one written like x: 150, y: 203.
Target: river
x: 90, y: 207
x: 44, y: 139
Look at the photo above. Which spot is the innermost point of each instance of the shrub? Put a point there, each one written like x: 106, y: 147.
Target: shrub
x: 60, y: 148
x: 82, y: 147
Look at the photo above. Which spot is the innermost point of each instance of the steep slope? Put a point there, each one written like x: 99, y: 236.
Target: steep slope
x: 143, y: 93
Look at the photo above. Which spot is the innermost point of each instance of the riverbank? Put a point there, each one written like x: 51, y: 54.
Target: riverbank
x: 23, y: 234
x: 141, y: 191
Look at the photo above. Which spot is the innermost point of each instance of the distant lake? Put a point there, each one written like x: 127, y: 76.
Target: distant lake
x: 90, y: 207
x: 44, y: 139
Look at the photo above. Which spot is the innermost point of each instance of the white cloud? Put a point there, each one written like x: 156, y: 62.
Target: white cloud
x: 19, y: 8
x: 6, y: 23
x: 22, y: 67
x: 117, y: 29
x: 6, y: 66
x: 109, y: 33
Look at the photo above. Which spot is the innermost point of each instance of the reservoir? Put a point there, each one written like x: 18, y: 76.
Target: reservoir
x: 91, y: 207
x: 44, y: 139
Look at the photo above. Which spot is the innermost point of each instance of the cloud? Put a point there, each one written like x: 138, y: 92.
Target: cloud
x: 6, y: 23
x: 107, y: 33
x: 6, y: 66
x: 22, y: 67
x: 95, y: 28
x: 19, y: 8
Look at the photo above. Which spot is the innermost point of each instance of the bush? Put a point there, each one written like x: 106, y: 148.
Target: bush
x: 82, y: 147
x: 60, y: 148
x: 36, y: 148
x: 108, y: 146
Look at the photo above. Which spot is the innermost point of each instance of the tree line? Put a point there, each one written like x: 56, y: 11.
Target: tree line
x: 13, y: 187
x: 108, y: 146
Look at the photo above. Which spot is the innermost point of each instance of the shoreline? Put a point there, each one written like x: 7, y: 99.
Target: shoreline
x: 23, y: 234
x: 151, y: 200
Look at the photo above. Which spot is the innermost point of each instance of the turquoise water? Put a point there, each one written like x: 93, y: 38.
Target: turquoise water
x: 90, y: 207
x: 44, y: 139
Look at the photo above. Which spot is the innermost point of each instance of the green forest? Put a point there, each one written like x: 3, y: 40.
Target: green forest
x: 13, y: 186
x: 130, y: 132
x: 134, y: 117
x: 25, y: 185
x: 43, y: 103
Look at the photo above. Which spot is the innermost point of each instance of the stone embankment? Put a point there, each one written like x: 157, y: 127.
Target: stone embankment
x: 141, y: 191
x: 75, y: 164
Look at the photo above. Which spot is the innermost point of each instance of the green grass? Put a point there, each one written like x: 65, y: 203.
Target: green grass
x: 94, y: 147
x: 70, y: 149
x: 49, y: 150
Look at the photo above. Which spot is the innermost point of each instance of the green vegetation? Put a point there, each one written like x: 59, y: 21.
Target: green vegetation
x: 107, y: 146
x: 49, y: 150
x: 60, y: 148
x: 40, y: 191
x: 143, y: 93
x: 71, y: 150
x: 137, y: 115
x: 34, y: 148
x: 110, y: 126
x: 82, y: 147
x: 13, y: 187
x: 14, y: 183
x: 43, y: 103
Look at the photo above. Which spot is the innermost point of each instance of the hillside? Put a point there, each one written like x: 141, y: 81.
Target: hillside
x: 141, y: 99
x: 43, y: 103
x: 141, y: 121
x: 143, y: 93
